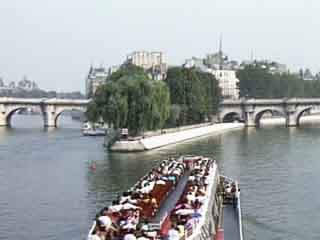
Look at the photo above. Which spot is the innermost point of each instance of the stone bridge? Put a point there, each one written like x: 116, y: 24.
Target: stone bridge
x: 251, y: 110
x: 51, y: 108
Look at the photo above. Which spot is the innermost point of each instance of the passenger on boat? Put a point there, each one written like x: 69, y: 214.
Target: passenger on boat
x: 130, y: 236
x: 190, y: 197
x: 106, y: 227
x: 115, y: 207
x: 99, y: 232
x: 140, y: 202
x: 148, y: 199
x: 173, y: 233
x: 125, y: 196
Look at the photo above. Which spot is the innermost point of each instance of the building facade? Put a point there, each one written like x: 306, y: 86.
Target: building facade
x: 228, y: 82
x: 152, y: 62
x: 223, y: 70
x: 96, y: 77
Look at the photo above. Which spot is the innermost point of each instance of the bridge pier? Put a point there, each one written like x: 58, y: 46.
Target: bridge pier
x: 49, y: 115
x: 249, y: 119
x: 3, y: 119
x: 49, y: 119
x: 291, y: 118
x: 249, y: 116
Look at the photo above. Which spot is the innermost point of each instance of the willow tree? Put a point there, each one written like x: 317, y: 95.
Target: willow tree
x: 130, y: 99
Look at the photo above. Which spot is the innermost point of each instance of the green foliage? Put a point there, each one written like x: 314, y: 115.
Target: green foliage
x: 92, y: 112
x: 131, y: 100
x: 195, y: 94
x: 258, y: 82
x: 125, y: 70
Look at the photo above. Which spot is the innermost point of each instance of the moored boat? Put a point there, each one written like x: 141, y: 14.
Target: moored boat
x: 181, y: 198
x: 89, y: 130
x: 94, y: 132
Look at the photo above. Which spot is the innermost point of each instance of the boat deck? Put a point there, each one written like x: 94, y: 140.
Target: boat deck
x: 170, y: 202
x: 230, y: 223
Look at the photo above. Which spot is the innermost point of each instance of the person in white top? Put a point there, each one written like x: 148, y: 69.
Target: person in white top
x: 130, y: 236
x: 115, y: 208
x: 190, y: 197
x: 173, y: 234
x: 106, y: 221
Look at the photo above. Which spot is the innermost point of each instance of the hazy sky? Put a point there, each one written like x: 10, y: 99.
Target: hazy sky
x: 53, y: 42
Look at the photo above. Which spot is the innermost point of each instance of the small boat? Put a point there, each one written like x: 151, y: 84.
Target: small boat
x: 180, y: 198
x: 94, y: 132
x: 88, y: 130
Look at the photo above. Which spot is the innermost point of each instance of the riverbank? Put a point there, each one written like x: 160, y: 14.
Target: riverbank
x: 165, y: 139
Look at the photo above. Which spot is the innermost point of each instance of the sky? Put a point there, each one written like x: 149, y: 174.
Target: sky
x: 53, y: 42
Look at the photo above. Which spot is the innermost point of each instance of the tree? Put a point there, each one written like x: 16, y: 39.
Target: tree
x: 196, y: 93
x: 92, y: 112
x: 258, y: 82
x: 130, y: 99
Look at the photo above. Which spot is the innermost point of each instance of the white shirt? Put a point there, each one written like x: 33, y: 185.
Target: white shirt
x: 106, y: 221
x: 201, y: 198
x: 129, y: 236
x: 191, y: 178
x: 173, y: 234
x: 127, y: 206
x: 115, y: 208
x: 143, y: 238
x: 124, y: 199
x: 161, y: 182
x: 94, y: 237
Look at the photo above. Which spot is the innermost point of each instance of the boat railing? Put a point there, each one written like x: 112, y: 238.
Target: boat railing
x: 163, y: 218
x: 238, y: 204
x: 157, y: 225
x: 239, y: 211
x: 227, y: 178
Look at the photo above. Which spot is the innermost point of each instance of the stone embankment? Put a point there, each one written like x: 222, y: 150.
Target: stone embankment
x: 313, y: 119
x: 173, y: 136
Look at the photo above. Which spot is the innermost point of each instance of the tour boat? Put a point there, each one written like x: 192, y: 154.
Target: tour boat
x: 181, y: 198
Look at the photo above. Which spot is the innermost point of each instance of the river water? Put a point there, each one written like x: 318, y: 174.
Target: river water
x: 48, y: 191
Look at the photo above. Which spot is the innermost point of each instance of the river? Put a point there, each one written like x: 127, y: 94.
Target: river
x: 48, y: 191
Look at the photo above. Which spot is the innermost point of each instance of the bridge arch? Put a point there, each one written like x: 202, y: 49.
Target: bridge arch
x: 231, y: 116
x: 258, y: 115
x: 300, y: 114
x: 61, y: 110
x: 11, y: 111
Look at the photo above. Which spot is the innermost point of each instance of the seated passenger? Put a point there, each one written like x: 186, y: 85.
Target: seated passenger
x: 99, y: 233
x: 130, y: 236
x: 148, y: 199
x: 173, y: 233
x: 106, y: 227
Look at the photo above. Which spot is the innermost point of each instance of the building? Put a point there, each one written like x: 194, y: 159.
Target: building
x: 152, y: 62
x: 197, y: 63
x: 27, y: 85
x: 113, y: 69
x: 96, y: 77
x: 228, y: 82
x: 223, y: 70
